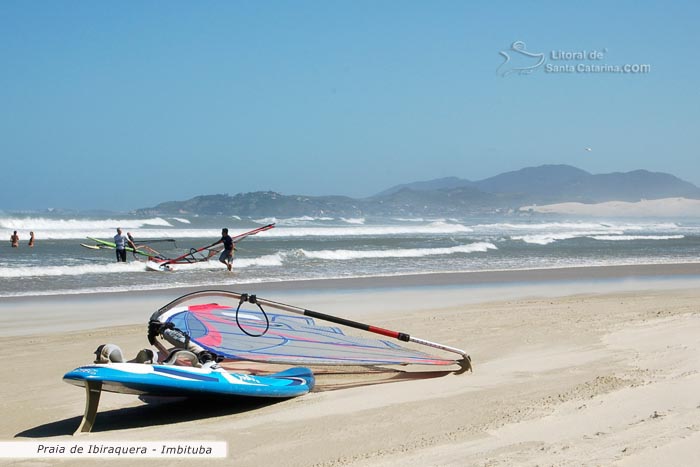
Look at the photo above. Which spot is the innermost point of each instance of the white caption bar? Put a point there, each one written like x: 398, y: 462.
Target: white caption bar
x: 89, y: 449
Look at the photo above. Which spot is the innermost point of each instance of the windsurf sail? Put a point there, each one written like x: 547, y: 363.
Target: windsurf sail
x: 196, y: 255
x: 230, y: 333
x: 142, y: 252
x: 150, y: 253
x: 157, y: 240
x: 100, y: 244
x: 240, y: 237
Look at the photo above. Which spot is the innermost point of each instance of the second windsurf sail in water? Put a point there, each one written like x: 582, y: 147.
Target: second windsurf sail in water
x: 196, y: 255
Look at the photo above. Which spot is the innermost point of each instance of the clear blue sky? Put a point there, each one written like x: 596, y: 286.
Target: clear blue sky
x: 122, y: 105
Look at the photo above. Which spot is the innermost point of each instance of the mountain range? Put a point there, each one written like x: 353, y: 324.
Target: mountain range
x: 546, y: 184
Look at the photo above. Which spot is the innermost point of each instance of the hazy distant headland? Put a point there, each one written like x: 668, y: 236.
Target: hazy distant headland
x: 547, y: 188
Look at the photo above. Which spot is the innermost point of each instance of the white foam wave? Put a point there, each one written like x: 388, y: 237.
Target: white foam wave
x: 435, y: 228
x: 46, y: 224
x: 140, y: 234
x: 292, y: 221
x: 344, y: 255
x: 274, y: 259
x: 547, y: 238
x: 569, y: 226
x: 356, y: 221
x: 78, y: 270
x: 637, y: 237
x: 408, y: 219
x: 421, y: 219
x: 65, y: 229
x: 143, y: 229
x: 266, y: 220
x: 265, y: 260
x: 133, y: 266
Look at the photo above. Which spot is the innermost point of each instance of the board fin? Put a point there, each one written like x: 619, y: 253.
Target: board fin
x: 93, y: 390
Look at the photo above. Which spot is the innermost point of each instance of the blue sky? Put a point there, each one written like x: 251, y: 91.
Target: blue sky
x: 124, y: 105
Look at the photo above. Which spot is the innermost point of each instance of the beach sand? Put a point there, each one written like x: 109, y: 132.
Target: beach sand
x: 593, y: 366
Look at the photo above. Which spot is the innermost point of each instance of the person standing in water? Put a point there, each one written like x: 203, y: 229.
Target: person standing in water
x: 14, y: 239
x: 30, y: 244
x: 226, y: 256
x: 121, y: 242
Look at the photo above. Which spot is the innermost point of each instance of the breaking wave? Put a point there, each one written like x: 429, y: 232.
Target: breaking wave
x: 344, y: 255
x: 637, y: 237
x: 77, y: 270
x: 42, y: 223
x: 547, y: 238
x: 435, y: 228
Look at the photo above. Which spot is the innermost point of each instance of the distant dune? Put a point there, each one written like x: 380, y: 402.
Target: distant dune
x: 668, y: 207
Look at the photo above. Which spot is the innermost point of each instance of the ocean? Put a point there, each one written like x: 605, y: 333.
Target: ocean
x: 324, y: 248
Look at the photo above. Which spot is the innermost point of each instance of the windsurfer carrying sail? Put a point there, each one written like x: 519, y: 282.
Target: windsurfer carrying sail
x: 130, y: 241
x: 226, y: 256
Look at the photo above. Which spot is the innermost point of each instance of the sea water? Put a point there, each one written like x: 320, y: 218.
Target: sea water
x: 324, y: 248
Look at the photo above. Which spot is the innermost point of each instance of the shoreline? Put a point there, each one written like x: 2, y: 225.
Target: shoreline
x: 51, y: 314
x: 441, y: 279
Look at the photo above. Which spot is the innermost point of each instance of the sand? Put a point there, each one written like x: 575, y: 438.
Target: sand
x: 659, y: 208
x: 599, y: 370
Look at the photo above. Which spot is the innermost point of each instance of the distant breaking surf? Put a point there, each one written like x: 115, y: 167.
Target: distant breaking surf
x: 344, y: 255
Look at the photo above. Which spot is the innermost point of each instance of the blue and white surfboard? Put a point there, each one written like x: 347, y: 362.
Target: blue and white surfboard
x: 171, y: 380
